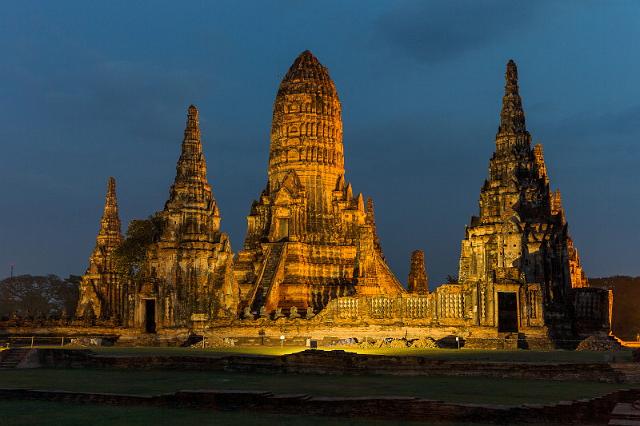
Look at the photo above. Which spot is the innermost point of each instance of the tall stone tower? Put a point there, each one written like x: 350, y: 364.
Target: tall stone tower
x: 306, y: 137
x: 101, y: 290
x: 188, y: 272
x: 309, y: 238
x: 418, y: 282
x: 517, y: 253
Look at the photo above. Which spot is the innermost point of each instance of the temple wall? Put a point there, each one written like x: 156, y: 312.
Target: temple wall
x: 592, y: 309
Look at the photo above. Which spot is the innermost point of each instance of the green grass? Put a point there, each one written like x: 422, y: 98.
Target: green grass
x: 557, y: 356
x: 452, y: 389
x: 30, y: 413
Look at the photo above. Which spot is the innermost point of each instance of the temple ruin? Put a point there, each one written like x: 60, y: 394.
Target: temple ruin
x: 312, y: 260
x: 188, y: 274
x: 518, y: 266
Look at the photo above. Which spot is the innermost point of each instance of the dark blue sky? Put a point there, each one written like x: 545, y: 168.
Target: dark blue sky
x: 93, y: 89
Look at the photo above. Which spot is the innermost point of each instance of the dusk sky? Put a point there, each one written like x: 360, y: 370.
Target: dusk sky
x: 90, y: 90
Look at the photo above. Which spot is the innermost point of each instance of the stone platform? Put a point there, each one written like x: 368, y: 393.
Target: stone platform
x: 267, y: 332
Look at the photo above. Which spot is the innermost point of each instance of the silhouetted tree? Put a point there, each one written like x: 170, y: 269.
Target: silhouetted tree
x: 47, y: 295
x: 140, y: 234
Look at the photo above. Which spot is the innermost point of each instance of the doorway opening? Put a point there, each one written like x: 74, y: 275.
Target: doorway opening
x: 507, y: 312
x: 150, y: 315
x: 283, y: 228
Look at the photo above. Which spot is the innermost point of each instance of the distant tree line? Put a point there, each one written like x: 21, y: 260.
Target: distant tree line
x: 34, y: 295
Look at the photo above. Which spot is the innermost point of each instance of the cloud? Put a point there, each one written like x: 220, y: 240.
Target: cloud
x: 436, y: 31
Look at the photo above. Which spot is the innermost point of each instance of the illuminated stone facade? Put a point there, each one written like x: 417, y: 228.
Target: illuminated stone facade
x: 187, y: 276
x: 101, y: 289
x: 309, y: 237
x: 312, y: 259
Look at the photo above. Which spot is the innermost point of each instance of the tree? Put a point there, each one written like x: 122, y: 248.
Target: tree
x: 452, y: 279
x: 130, y: 255
x: 47, y: 295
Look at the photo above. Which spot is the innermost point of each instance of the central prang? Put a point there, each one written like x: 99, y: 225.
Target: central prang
x: 309, y: 239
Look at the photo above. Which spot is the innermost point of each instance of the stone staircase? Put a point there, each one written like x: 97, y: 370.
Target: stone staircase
x: 507, y: 341
x: 268, y: 273
x: 10, y: 358
x: 625, y: 414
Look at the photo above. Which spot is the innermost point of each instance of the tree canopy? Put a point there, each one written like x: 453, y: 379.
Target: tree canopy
x: 47, y: 295
x: 130, y: 255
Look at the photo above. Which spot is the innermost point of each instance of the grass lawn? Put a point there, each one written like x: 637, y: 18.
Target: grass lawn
x: 29, y: 413
x: 453, y: 389
x: 557, y: 356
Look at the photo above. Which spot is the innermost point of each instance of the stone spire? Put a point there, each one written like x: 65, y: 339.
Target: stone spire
x: 99, y: 288
x: 520, y: 235
x: 191, y: 188
x: 110, y: 221
x: 512, y: 114
x: 418, y: 281
x: 306, y: 132
x: 513, y: 141
x: 188, y: 268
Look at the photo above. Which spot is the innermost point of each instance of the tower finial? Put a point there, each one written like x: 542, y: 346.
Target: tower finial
x: 512, y: 114
x: 192, y: 129
x: 111, y: 192
x: 191, y: 163
x: 306, y: 68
